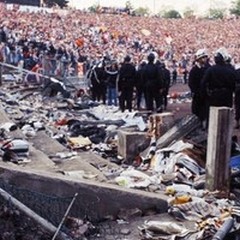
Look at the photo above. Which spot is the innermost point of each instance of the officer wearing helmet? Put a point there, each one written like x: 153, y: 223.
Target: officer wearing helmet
x: 194, y: 82
x: 219, y: 81
x: 153, y: 79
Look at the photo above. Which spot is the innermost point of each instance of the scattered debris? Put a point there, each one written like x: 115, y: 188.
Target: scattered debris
x: 173, y: 164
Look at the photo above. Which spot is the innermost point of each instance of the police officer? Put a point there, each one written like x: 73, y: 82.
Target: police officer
x: 153, y: 84
x: 126, y: 83
x: 219, y: 82
x: 195, y: 77
x: 139, y: 84
x: 166, y: 84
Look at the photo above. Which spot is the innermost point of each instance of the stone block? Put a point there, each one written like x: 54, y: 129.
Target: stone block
x: 131, y: 143
x: 95, y: 200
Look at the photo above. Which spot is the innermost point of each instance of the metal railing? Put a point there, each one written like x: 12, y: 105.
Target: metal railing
x: 39, y: 76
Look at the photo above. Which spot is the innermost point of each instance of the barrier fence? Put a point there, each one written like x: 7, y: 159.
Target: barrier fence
x: 40, y: 74
x: 53, y: 208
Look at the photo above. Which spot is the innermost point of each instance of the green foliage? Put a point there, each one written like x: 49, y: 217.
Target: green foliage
x: 60, y: 3
x: 141, y: 11
x: 216, y: 13
x: 236, y: 9
x: 188, y: 13
x: 94, y: 8
x: 129, y: 5
x: 172, y: 14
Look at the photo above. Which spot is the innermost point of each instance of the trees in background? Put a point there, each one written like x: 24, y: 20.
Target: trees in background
x: 213, y: 13
x: 141, y: 11
x: 52, y: 3
x: 216, y: 13
x: 189, y: 13
x: 171, y: 14
x: 235, y: 10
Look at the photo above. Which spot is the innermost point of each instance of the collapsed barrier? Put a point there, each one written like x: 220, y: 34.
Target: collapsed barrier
x: 48, y: 211
x: 27, y: 211
x: 39, y: 77
x: 53, y: 209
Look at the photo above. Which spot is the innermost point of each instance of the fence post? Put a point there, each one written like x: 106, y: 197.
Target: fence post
x: 220, y: 131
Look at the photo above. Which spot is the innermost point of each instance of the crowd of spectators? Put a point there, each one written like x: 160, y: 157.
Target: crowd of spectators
x: 84, y: 37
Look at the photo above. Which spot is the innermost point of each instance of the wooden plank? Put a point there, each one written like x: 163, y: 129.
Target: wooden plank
x: 220, y: 131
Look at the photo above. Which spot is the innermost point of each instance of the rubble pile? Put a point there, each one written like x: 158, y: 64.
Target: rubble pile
x: 79, y: 126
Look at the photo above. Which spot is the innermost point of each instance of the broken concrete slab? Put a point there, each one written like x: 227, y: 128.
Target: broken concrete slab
x: 96, y: 200
x: 43, y: 146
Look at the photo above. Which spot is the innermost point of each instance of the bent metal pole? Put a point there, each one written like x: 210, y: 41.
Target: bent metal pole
x: 64, y: 217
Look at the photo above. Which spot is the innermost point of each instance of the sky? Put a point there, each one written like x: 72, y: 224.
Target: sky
x: 199, y: 6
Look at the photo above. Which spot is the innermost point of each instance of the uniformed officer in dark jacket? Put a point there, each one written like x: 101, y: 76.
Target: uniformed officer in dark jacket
x: 139, y: 84
x: 166, y: 84
x: 194, y: 81
x: 126, y: 83
x: 153, y: 84
x: 219, y: 81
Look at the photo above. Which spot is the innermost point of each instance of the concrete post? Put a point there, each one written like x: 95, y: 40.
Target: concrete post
x: 219, y: 149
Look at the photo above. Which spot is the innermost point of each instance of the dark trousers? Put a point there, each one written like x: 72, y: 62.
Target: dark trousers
x: 99, y: 93
x: 164, y: 98
x: 153, y: 95
x: 199, y: 106
x: 140, y: 95
x: 125, y: 99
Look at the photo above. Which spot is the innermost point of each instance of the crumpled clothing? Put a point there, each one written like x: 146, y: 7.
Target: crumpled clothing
x: 165, y: 230
x: 198, y: 208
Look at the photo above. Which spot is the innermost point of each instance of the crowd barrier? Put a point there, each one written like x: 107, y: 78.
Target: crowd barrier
x: 39, y: 75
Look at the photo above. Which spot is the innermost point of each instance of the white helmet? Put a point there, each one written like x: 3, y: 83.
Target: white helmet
x: 223, y: 52
x: 201, y: 53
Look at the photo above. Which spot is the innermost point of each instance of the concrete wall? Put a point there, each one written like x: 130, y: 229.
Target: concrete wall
x: 96, y: 200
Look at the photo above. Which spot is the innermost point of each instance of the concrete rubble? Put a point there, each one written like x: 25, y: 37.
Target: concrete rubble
x: 84, y: 140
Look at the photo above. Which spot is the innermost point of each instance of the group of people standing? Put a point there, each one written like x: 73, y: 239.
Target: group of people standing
x: 214, y: 85
x: 123, y: 84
